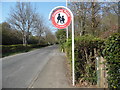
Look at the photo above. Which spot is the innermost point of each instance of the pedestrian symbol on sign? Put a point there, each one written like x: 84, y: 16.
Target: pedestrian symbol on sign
x: 60, y: 19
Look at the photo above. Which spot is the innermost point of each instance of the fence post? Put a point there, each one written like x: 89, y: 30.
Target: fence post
x: 103, y: 75
x: 98, y: 71
x: 97, y: 67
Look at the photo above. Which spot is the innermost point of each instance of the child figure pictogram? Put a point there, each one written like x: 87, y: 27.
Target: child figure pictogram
x: 62, y: 20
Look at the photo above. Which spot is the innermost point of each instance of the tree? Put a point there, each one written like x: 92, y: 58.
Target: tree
x: 10, y: 36
x: 79, y: 11
x: 90, y: 17
x: 42, y: 31
x: 39, y: 26
x: 61, y: 36
x: 22, y: 18
x: 49, y: 36
x: 86, y: 15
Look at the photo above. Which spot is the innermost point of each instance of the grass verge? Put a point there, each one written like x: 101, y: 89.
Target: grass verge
x: 8, y: 50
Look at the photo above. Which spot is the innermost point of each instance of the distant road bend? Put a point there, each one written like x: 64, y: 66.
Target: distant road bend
x: 19, y: 71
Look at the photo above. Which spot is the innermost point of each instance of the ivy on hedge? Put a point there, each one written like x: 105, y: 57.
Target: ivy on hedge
x: 112, y: 55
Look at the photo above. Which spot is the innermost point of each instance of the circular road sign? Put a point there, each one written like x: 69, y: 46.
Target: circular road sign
x: 61, y: 18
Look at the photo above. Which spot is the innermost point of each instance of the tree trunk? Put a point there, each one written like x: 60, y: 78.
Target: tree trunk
x: 24, y: 39
x: 93, y: 18
x: 39, y: 39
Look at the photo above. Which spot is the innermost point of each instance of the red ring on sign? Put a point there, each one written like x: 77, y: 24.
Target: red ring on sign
x: 68, y: 18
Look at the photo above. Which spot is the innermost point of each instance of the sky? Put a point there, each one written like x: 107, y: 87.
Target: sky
x: 43, y: 8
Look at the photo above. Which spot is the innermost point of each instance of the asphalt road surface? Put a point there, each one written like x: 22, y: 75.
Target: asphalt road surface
x: 39, y: 68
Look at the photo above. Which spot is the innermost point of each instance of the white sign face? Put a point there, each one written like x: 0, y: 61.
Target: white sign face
x: 61, y: 18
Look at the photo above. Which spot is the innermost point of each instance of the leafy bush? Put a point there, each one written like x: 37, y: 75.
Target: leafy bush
x: 85, y: 49
x: 112, y: 56
x: 61, y: 36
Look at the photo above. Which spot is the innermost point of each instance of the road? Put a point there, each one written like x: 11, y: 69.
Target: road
x: 30, y: 69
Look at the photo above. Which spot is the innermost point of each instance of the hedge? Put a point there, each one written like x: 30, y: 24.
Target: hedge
x: 85, y: 49
x: 112, y: 55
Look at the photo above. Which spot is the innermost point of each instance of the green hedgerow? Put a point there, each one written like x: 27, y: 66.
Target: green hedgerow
x: 112, y: 55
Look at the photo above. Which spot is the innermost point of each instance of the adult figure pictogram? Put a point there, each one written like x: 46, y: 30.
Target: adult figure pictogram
x: 59, y: 18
